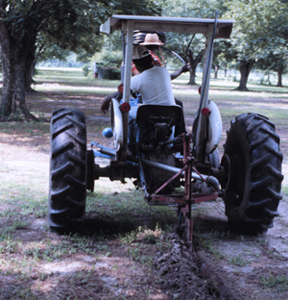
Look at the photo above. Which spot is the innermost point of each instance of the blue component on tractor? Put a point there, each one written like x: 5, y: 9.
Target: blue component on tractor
x: 107, y: 132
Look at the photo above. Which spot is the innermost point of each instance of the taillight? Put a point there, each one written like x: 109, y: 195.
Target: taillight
x: 205, y: 111
x: 125, y: 107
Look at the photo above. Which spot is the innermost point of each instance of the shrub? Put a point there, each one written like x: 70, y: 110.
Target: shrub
x: 85, y: 70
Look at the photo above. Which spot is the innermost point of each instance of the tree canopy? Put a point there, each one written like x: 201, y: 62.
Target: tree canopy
x: 190, y: 47
x: 258, y: 31
x: 28, y: 27
x: 69, y: 24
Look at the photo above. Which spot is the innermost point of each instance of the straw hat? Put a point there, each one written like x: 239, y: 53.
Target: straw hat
x: 151, y: 39
x: 140, y: 52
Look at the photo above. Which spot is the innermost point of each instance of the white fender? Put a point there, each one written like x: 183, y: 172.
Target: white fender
x: 214, y: 127
x: 117, y: 124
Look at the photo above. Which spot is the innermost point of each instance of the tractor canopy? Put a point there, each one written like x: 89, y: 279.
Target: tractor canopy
x: 169, y: 24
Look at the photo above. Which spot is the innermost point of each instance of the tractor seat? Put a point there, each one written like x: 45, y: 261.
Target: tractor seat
x: 158, y: 114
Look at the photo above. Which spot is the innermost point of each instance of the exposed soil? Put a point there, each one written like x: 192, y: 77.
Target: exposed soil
x: 222, y: 265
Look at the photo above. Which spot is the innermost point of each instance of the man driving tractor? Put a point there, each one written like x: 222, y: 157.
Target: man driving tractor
x: 152, y: 43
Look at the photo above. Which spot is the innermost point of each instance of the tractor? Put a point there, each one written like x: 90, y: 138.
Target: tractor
x: 180, y: 169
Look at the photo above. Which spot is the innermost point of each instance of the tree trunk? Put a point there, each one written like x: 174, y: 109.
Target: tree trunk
x: 216, y: 69
x: 13, y: 56
x: 30, y: 66
x: 192, y: 79
x: 268, y: 79
x: 245, y: 68
x: 29, y: 72
x: 193, y: 63
x: 13, y: 92
x: 7, y: 93
x: 280, y: 71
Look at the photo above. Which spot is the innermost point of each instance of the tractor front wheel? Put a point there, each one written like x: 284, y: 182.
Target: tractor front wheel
x: 67, y: 190
x: 252, y: 182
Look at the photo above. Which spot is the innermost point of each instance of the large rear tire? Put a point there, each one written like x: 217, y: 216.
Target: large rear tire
x: 67, y: 190
x: 253, y: 181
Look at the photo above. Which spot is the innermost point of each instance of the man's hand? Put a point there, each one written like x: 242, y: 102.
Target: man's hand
x: 105, y: 105
x: 120, y: 88
x: 186, y: 68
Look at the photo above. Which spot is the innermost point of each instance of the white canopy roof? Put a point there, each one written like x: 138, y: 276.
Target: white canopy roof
x: 172, y: 24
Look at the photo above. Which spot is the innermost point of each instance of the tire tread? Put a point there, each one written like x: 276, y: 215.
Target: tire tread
x: 67, y: 192
x: 255, y: 135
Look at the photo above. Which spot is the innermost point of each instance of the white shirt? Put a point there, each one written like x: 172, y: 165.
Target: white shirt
x: 154, y: 85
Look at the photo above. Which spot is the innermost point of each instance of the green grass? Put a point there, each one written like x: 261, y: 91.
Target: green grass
x: 238, y: 261
x: 276, y: 282
x: 69, y: 77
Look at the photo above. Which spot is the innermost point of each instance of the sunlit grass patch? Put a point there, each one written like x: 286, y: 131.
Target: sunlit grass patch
x: 284, y: 190
x: 35, y: 128
x: 279, y: 282
x: 74, y: 89
x: 140, y: 241
x: 23, y: 201
x: 238, y: 261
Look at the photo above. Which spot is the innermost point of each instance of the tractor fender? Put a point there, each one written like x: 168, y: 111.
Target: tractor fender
x: 117, y: 124
x: 214, y: 127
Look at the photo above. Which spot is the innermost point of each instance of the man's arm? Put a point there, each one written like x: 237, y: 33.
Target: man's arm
x: 182, y: 70
x: 106, y: 103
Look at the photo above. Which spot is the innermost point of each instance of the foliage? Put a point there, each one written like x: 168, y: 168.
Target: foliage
x: 255, y: 33
x: 222, y: 55
x: 180, y: 42
x: 190, y: 46
x: 53, y: 52
x: 273, y: 61
x: 108, y: 64
x: 112, y: 58
x: 27, y: 25
x: 85, y: 70
x: 260, y: 31
x: 87, y: 25
x: 109, y: 73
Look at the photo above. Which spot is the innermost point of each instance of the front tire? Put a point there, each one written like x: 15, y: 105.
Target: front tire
x: 253, y: 181
x: 67, y: 190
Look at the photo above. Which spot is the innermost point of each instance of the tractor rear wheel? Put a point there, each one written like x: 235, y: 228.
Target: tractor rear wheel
x: 67, y: 190
x: 252, y: 183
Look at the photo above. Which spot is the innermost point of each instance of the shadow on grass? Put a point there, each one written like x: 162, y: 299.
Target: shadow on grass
x: 207, y: 224
x: 122, y: 225
x: 123, y: 211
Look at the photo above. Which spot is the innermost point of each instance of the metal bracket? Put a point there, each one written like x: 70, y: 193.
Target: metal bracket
x: 186, y: 200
